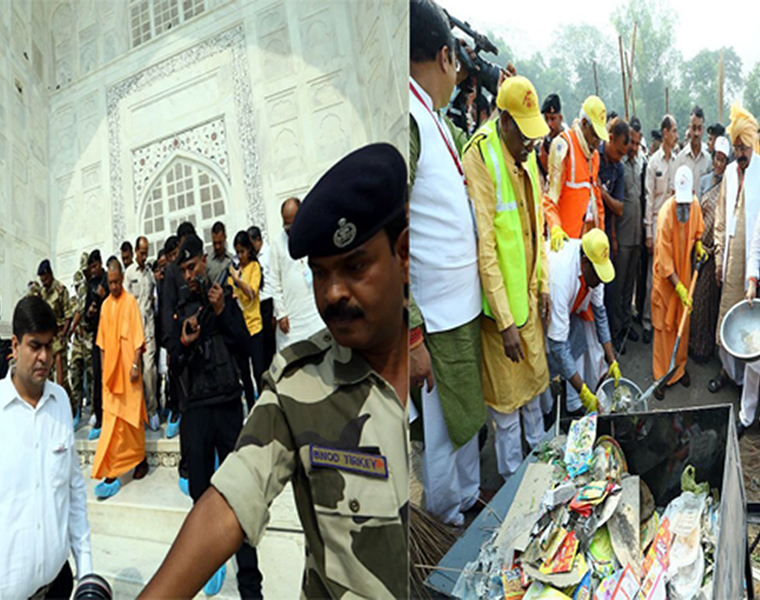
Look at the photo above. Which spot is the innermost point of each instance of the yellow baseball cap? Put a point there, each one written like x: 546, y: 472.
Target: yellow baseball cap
x: 519, y: 98
x: 596, y: 247
x: 594, y: 109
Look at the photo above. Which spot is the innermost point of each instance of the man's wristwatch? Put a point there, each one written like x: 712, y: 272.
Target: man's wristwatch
x: 135, y: 367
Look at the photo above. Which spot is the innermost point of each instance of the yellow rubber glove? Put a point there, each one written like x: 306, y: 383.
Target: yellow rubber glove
x: 683, y: 294
x: 589, y: 401
x: 700, y: 251
x: 558, y: 238
x: 615, y: 373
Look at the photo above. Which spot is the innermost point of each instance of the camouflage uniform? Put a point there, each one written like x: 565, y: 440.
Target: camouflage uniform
x: 321, y: 410
x: 57, y: 297
x: 81, y: 346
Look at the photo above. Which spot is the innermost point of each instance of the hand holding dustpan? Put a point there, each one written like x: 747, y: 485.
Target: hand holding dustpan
x: 662, y: 381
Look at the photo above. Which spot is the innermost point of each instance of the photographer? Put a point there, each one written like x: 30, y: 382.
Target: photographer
x: 209, y: 331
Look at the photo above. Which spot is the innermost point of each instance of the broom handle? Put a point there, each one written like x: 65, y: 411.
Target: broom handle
x: 691, y: 295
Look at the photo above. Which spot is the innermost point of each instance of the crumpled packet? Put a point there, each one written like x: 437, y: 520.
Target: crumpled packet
x: 579, y: 450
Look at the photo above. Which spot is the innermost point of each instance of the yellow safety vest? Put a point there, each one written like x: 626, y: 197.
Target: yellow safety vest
x: 510, y: 247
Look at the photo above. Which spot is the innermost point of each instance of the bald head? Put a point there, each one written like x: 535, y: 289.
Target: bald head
x: 115, y: 277
x: 289, y: 210
x: 141, y: 251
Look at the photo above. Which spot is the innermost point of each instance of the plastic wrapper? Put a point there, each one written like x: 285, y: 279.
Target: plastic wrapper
x: 579, y: 450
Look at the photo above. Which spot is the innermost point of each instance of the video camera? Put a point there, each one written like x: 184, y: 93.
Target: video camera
x: 205, y: 311
x: 483, y: 73
x: 93, y: 587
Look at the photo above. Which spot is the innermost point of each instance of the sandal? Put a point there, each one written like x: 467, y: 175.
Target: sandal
x: 717, y: 383
x: 685, y: 380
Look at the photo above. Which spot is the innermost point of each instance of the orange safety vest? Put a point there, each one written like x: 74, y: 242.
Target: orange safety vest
x: 580, y: 188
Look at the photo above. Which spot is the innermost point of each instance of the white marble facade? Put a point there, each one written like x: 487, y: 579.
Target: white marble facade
x: 121, y: 117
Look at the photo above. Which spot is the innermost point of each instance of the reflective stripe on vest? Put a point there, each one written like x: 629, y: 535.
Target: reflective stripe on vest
x: 510, y: 245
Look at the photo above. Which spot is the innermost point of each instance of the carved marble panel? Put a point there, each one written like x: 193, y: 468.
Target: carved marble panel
x: 282, y: 106
x: 40, y: 218
x: 91, y: 176
x: 19, y: 36
x: 208, y: 141
x: 271, y: 19
x: 288, y: 150
x: 275, y: 51
x: 319, y: 37
x: 327, y: 90
x: 332, y: 133
x: 20, y: 163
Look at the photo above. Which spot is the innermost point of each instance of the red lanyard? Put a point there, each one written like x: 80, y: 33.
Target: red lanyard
x: 453, y: 154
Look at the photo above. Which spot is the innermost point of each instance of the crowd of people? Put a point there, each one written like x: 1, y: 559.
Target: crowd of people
x: 326, y: 412
x: 540, y: 248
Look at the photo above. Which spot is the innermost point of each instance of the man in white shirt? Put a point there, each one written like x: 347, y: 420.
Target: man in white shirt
x: 43, y: 504
x: 445, y: 283
x: 695, y: 155
x: 294, y: 307
x: 266, y: 302
x: 139, y: 282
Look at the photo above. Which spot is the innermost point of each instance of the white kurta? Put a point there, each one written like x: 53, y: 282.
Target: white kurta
x: 293, y: 294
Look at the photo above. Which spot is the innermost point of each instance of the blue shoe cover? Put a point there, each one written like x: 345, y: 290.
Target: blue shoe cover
x: 214, y: 585
x: 76, y: 419
x: 172, y: 429
x: 184, y: 486
x: 105, y: 490
x: 94, y: 434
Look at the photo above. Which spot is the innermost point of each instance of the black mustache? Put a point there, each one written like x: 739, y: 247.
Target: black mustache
x: 342, y: 312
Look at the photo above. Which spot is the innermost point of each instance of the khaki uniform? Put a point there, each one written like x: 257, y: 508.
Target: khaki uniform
x: 141, y: 284
x: 329, y: 424
x: 57, y: 297
x: 81, y: 346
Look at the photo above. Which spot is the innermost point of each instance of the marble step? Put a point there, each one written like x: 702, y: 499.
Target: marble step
x: 154, y: 508
x: 128, y: 564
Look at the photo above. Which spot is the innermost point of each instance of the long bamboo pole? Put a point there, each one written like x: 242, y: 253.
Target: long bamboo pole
x: 720, y: 88
x: 596, y: 81
x: 630, y: 70
x: 622, y: 71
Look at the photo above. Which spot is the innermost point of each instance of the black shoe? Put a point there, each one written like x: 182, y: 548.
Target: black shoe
x: 659, y: 393
x: 632, y: 335
x: 685, y: 380
x: 716, y: 384
x: 740, y: 429
x: 647, y: 336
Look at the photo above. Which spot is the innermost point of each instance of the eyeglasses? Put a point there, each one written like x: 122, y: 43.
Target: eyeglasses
x: 740, y: 148
x: 526, y: 141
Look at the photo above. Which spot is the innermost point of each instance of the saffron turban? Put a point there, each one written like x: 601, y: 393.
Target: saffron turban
x: 743, y: 127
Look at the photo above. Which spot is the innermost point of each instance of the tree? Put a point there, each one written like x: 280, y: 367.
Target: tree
x: 700, y: 81
x: 752, y: 92
x: 656, y: 60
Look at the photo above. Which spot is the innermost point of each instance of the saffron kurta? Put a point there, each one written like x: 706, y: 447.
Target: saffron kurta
x: 508, y: 386
x: 121, y: 446
x: 672, y: 253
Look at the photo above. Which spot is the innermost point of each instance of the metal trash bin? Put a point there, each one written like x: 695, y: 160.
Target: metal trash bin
x: 657, y: 445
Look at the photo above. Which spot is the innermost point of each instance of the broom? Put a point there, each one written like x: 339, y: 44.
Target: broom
x: 429, y: 541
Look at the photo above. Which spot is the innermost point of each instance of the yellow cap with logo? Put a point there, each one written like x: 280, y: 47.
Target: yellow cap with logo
x: 519, y: 98
x: 594, y: 109
x: 596, y: 247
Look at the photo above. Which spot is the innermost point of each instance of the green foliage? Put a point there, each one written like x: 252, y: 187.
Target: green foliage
x: 752, y: 91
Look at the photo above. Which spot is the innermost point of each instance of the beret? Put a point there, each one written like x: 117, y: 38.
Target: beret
x: 355, y: 199
x: 551, y: 105
x: 716, y: 129
x: 44, y: 267
x: 191, y: 247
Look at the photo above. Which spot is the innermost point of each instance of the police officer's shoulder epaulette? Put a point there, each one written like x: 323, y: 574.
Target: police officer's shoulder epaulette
x: 296, y: 354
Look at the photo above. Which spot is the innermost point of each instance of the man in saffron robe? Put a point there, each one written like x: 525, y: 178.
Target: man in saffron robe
x: 121, y: 446
x: 679, y: 230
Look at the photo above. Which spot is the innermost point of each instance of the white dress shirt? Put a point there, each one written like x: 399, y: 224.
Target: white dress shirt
x: 141, y: 284
x: 265, y: 291
x: 293, y: 294
x: 43, y: 504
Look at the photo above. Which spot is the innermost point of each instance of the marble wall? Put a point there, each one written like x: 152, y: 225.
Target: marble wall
x: 259, y: 97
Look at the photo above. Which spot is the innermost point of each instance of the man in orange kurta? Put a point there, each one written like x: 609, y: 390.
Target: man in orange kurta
x: 121, y: 340
x: 679, y: 230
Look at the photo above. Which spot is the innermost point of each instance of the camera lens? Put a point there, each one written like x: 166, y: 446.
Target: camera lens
x: 93, y: 587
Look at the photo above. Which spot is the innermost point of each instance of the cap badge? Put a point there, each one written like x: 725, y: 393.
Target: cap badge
x: 605, y: 253
x: 528, y: 99
x: 345, y: 234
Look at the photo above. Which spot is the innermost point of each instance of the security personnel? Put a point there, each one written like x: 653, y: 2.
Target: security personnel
x: 332, y: 417
x: 551, y: 109
x: 81, y: 346
x: 57, y: 297
x: 573, y: 203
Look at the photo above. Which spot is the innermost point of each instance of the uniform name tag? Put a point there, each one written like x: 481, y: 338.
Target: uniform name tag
x: 345, y: 460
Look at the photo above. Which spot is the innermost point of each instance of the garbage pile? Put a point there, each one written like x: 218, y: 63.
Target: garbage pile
x: 581, y: 527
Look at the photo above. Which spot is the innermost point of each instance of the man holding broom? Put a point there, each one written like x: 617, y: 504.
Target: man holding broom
x: 679, y: 228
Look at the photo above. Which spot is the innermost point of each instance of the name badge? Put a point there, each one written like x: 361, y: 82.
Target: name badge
x: 347, y: 460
